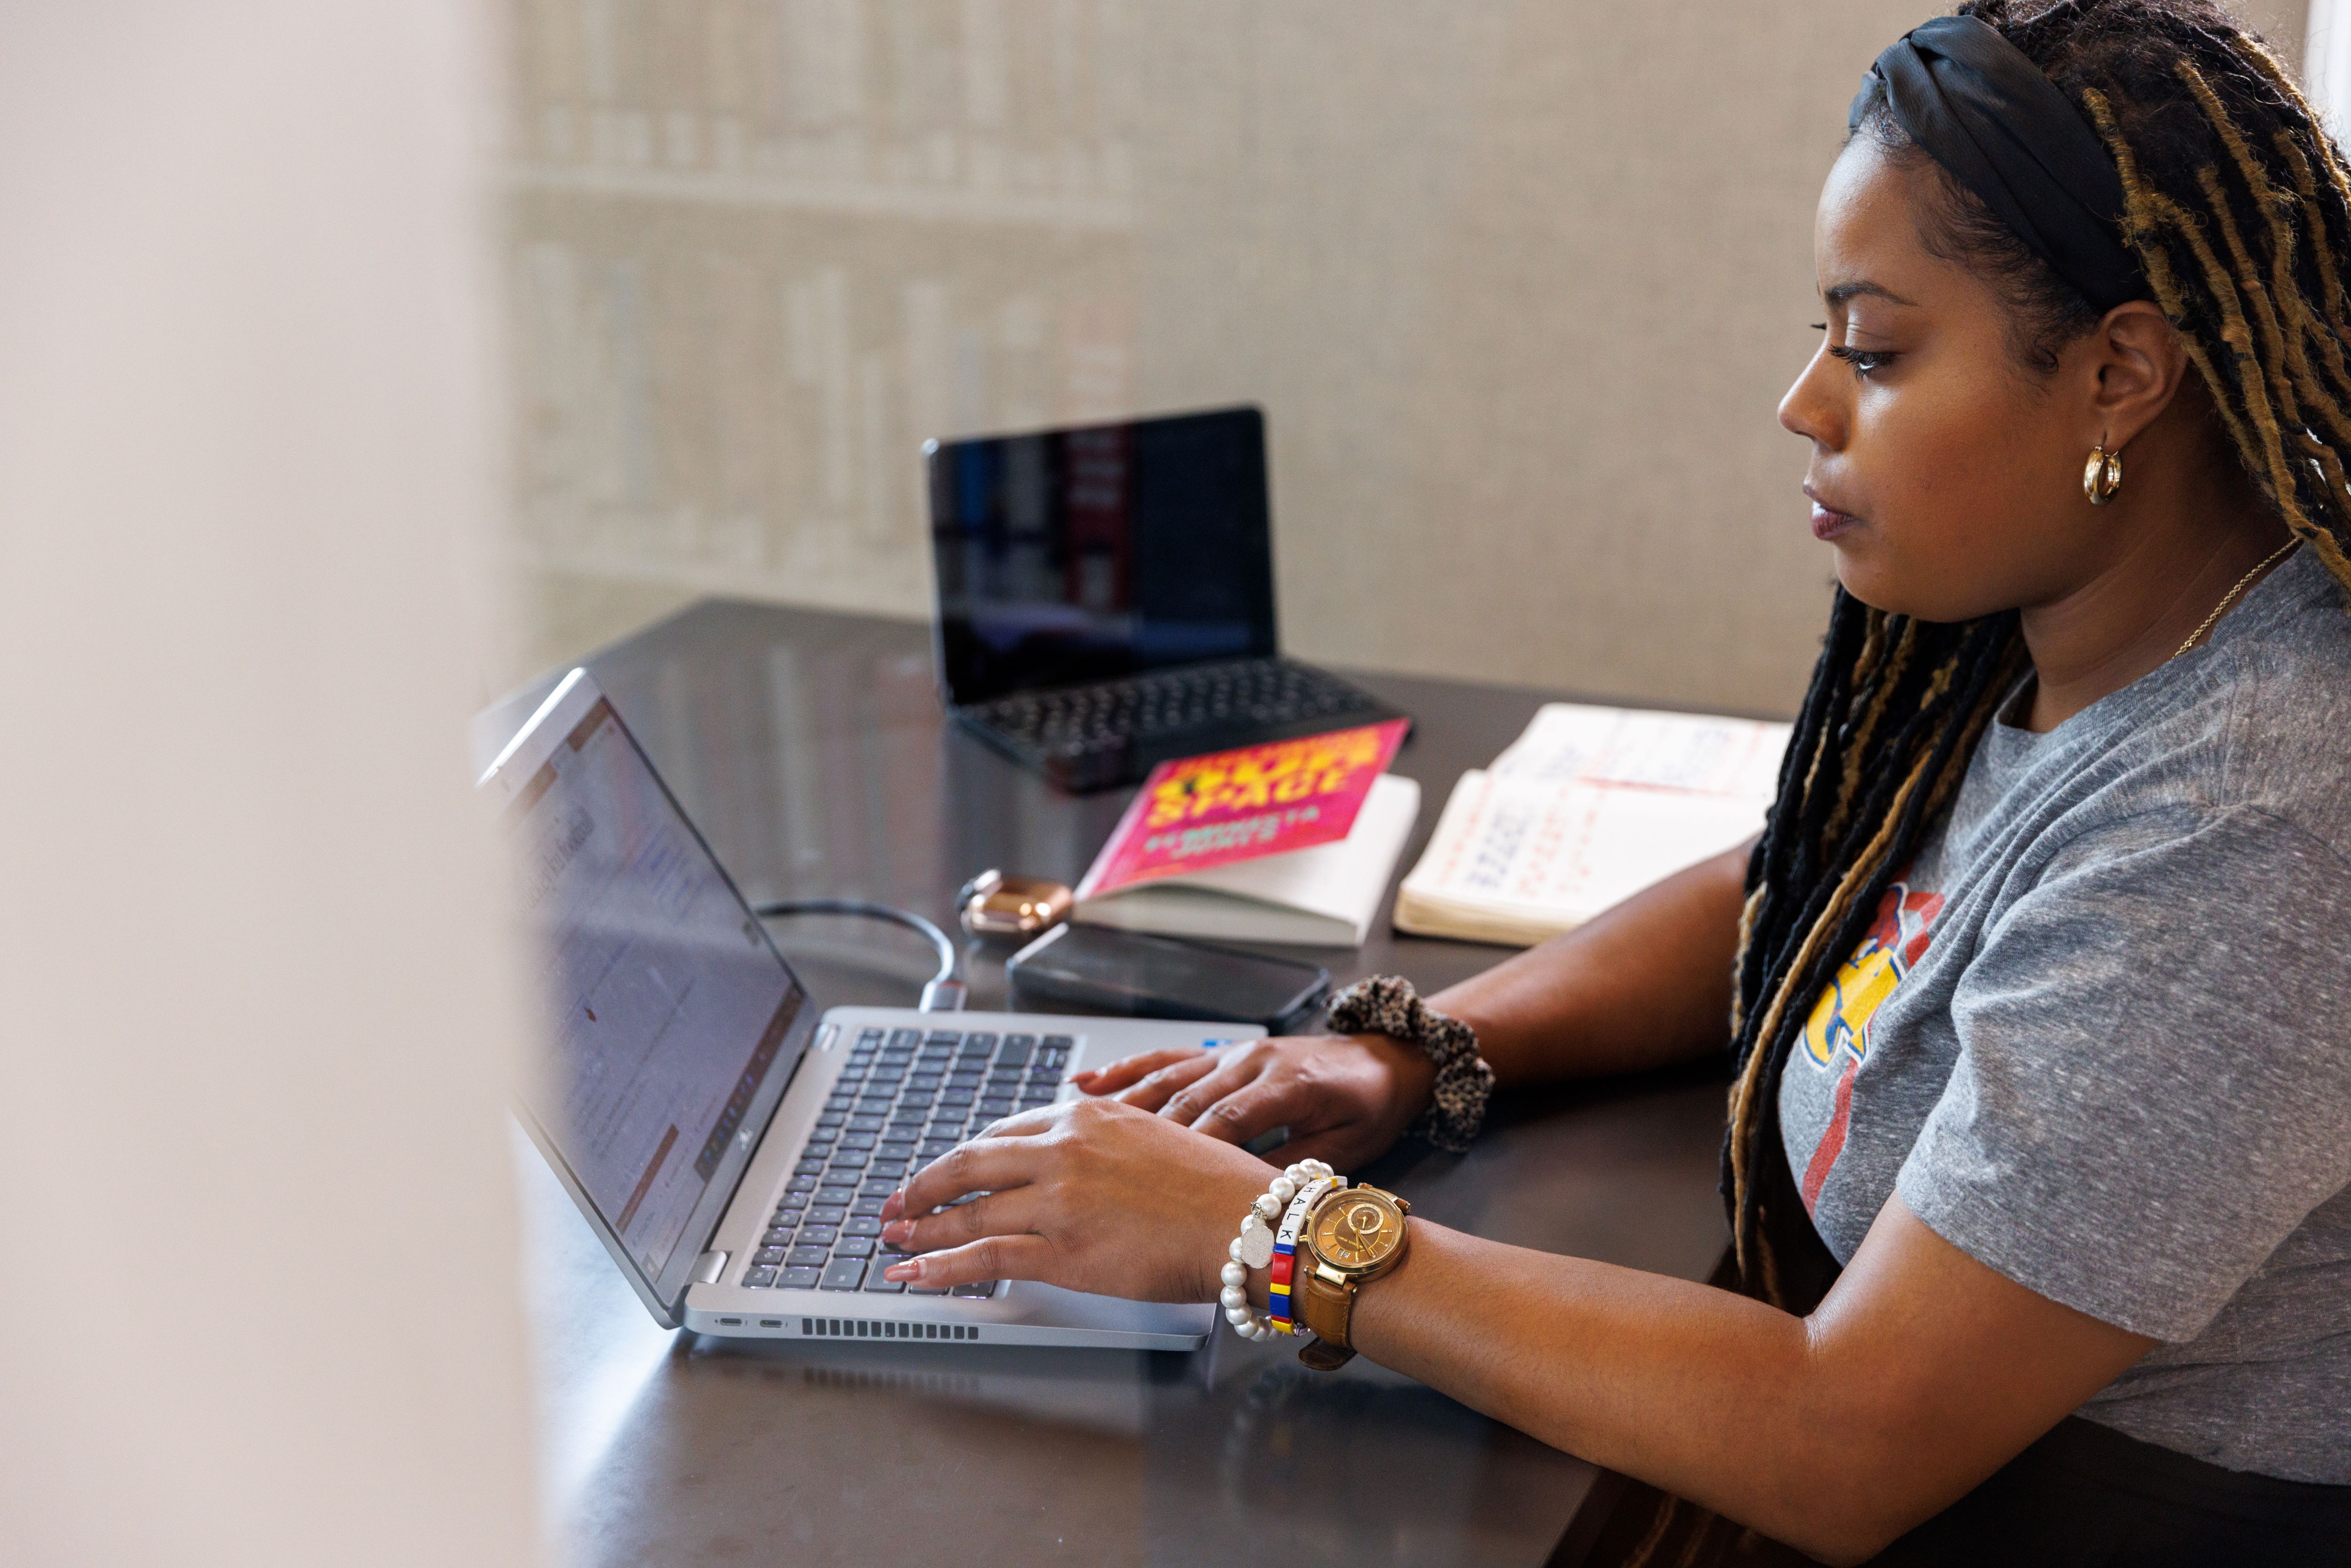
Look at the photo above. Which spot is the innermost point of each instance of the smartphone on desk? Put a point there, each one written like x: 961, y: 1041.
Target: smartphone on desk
x: 1127, y: 975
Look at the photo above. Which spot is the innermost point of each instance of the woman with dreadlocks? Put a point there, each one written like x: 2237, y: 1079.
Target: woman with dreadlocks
x: 2039, y: 1155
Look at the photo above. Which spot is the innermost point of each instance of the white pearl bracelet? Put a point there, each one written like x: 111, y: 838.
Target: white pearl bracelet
x: 1253, y: 1248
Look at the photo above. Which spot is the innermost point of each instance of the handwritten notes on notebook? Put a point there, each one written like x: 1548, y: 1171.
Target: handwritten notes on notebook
x: 1587, y: 807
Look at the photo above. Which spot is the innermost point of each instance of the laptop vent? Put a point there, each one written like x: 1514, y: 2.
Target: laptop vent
x: 865, y: 1328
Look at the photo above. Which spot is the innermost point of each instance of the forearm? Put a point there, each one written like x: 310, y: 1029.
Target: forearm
x: 1709, y: 1394
x: 1646, y: 984
x: 1921, y: 1372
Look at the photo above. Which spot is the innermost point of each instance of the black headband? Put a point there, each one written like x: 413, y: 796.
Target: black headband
x: 1980, y: 106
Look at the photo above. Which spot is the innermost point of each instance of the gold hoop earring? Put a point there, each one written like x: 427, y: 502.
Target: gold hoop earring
x: 2102, y: 475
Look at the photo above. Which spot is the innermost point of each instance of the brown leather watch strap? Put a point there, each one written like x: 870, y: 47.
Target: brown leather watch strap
x: 1327, y: 1309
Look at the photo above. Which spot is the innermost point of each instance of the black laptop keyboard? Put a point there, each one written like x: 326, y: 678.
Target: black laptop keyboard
x: 1168, y: 702
x: 904, y: 1098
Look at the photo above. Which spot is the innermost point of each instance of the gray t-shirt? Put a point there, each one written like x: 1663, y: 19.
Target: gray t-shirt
x: 2100, y: 1037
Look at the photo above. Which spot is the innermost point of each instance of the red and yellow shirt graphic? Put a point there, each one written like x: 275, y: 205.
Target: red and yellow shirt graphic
x: 1837, y: 1037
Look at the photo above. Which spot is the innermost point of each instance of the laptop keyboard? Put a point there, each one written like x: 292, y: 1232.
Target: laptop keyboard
x: 905, y: 1097
x: 1152, y: 706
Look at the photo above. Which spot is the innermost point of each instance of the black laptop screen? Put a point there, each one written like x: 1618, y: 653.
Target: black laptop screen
x: 1085, y: 555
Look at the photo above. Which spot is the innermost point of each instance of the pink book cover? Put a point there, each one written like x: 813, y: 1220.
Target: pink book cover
x: 1201, y: 811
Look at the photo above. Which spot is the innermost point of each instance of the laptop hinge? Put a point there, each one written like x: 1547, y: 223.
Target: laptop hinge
x: 709, y: 1266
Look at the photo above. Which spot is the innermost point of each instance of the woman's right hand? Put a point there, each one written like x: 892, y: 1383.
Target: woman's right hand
x: 1344, y: 1098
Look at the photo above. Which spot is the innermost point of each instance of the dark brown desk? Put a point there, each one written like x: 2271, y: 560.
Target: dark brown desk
x: 810, y: 749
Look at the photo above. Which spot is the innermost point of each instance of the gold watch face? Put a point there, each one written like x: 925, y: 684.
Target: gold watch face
x: 1353, y: 1231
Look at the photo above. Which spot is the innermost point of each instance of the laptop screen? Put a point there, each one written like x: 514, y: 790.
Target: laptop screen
x: 673, y: 1013
x: 1083, y: 555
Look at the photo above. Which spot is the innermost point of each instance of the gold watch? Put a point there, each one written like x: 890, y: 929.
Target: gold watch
x: 1352, y: 1237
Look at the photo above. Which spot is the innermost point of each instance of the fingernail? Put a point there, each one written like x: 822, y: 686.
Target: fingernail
x: 897, y: 1230
x: 893, y: 1204
x: 910, y: 1269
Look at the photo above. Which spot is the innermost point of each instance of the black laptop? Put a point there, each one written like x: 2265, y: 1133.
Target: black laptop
x: 1105, y: 598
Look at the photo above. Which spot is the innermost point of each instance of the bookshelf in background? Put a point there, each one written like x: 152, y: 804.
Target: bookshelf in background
x: 758, y: 250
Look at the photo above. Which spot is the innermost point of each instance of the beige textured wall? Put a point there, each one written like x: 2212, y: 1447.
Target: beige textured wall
x: 1519, y: 285
x: 259, y: 1300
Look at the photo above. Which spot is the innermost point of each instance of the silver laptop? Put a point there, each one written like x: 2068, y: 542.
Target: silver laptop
x: 730, y: 1145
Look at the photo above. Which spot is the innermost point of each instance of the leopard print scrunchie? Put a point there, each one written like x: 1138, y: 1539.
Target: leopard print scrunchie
x: 1386, y: 1004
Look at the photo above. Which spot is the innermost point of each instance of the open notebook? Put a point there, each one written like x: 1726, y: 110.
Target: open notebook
x: 1587, y: 807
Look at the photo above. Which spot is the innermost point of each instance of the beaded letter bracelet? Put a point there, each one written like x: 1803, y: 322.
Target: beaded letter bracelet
x: 1253, y: 1248
x: 1386, y: 1004
x: 1285, y: 1251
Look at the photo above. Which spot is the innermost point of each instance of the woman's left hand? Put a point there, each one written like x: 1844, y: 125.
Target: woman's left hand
x: 1087, y: 1194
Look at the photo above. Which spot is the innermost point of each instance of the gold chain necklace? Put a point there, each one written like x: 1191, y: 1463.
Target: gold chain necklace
x: 2228, y: 598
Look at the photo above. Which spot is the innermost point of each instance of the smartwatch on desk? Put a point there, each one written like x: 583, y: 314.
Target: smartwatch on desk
x: 1353, y: 1236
